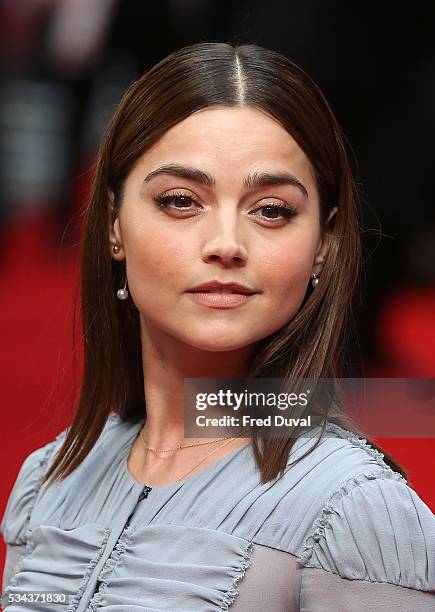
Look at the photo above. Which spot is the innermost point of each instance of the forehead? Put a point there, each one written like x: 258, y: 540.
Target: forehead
x: 229, y: 139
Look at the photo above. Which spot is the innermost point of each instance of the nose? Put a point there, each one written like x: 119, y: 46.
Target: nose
x: 225, y: 246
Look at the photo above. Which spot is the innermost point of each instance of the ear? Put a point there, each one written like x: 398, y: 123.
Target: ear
x: 322, y: 248
x: 115, y: 234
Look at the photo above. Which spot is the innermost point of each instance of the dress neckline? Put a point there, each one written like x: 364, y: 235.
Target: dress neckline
x: 206, y: 472
x: 331, y: 429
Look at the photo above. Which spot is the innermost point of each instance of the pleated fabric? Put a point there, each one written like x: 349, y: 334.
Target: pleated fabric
x: 111, y: 543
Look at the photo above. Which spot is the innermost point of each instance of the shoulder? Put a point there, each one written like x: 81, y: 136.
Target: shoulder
x: 24, y: 491
x: 26, y: 487
x: 373, y: 526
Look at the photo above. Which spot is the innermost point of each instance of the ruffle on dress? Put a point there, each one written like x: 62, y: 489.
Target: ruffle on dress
x: 373, y: 527
x: 16, y: 517
x: 341, y: 509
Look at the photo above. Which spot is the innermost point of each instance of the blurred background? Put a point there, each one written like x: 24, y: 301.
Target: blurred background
x: 64, y: 67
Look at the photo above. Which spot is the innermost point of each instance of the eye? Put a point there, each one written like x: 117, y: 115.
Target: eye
x: 163, y: 201
x: 182, y: 201
x: 284, y: 211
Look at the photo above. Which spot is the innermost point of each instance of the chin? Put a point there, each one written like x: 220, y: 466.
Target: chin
x: 218, y: 347
x: 218, y: 343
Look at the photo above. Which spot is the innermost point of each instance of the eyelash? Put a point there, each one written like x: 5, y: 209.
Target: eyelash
x: 288, y: 212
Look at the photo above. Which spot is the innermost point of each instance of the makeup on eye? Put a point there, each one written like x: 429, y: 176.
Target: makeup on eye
x: 286, y: 211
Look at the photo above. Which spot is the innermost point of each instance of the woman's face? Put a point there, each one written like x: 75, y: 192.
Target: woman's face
x: 231, y: 226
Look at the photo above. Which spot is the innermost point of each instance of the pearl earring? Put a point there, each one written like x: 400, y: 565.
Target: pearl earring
x: 315, y: 279
x: 121, y: 294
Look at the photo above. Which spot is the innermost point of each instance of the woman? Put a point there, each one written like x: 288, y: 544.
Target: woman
x: 221, y: 165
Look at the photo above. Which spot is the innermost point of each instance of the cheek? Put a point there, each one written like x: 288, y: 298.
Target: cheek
x: 286, y: 271
x: 157, y: 258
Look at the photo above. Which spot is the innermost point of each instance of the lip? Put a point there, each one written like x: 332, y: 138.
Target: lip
x: 215, y: 286
x: 220, y: 300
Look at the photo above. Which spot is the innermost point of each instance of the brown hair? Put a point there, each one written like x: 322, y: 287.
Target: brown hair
x: 310, y: 345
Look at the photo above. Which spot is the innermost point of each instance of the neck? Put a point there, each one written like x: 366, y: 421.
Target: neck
x: 166, y: 365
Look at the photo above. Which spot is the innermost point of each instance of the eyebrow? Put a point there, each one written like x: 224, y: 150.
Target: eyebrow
x: 252, y: 181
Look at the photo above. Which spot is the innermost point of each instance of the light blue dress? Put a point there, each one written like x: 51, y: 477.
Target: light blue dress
x: 339, y: 531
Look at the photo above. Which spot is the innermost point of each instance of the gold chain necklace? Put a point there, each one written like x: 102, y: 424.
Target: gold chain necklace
x: 214, y: 451
x: 189, y: 445
x: 167, y: 450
